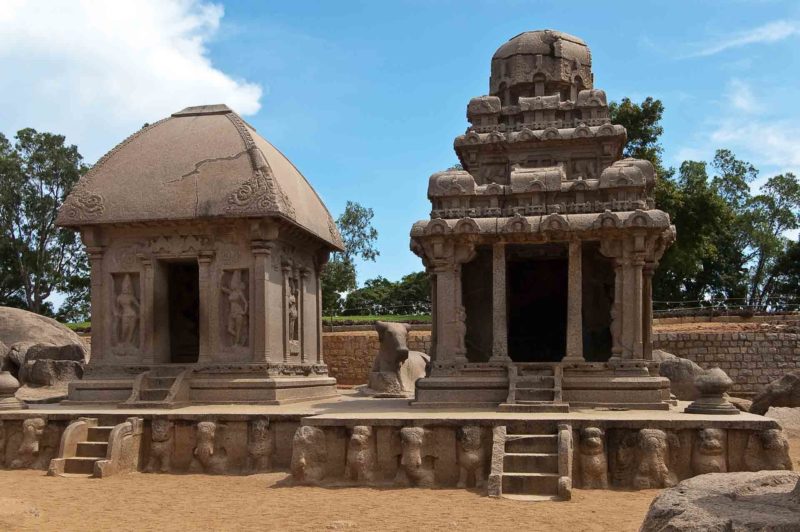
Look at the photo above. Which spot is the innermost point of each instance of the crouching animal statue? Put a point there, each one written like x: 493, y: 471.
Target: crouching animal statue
x: 29, y: 453
x: 708, y: 455
x: 396, y: 369
x: 309, y: 455
x: 593, y: 461
x: 767, y: 450
x: 416, y: 464
x: 471, y: 456
x: 653, y: 471
x: 361, y: 457
x: 160, y: 446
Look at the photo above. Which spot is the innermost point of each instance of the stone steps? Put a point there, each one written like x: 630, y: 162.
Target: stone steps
x: 158, y: 388
x: 88, y: 452
x: 534, y: 388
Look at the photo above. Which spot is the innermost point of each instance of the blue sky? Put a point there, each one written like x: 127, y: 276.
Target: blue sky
x: 366, y: 97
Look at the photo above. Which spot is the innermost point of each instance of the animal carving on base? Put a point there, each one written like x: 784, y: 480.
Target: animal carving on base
x: 416, y: 465
x: 708, y: 455
x: 652, y: 471
x: 593, y: 461
x: 767, y: 450
x: 361, y: 457
x: 207, y: 458
x: 160, y: 446
x: 396, y: 369
x: 471, y: 456
x: 29, y: 449
x: 259, y: 446
x: 309, y: 455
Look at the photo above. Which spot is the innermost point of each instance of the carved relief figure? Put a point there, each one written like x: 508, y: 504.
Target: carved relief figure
x: 767, y: 450
x: 206, y: 457
x: 237, y: 309
x: 652, y: 471
x: 461, y: 330
x: 623, y: 447
x: 708, y: 455
x: 593, y: 461
x: 471, y: 456
x: 259, y: 446
x: 396, y: 369
x: 361, y: 457
x: 309, y: 455
x: 29, y: 447
x: 293, y: 312
x: 416, y: 466
x: 126, y: 310
x: 160, y: 446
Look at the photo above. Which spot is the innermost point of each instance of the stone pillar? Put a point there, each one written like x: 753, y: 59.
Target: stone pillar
x: 499, y: 305
x: 301, y: 313
x: 98, y: 311
x: 446, y: 300
x: 209, y: 302
x: 287, y: 333
x: 647, y: 310
x: 636, y: 299
x: 259, y: 306
x: 575, y: 304
x: 146, y: 312
x: 317, y: 280
x: 616, y: 312
x: 629, y: 305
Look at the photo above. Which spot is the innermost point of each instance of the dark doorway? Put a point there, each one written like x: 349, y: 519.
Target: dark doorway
x: 184, y: 312
x: 476, y: 286
x: 537, y: 303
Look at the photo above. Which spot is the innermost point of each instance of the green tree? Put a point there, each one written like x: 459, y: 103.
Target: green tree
x: 643, y: 124
x: 36, y: 174
x: 359, y: 237
x: 379, y: 296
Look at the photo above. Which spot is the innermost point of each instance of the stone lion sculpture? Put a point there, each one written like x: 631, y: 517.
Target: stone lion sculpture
x: 652, y: 471
x: 708, y: 455
x: 160, y: 446
x: 416, y: 466
x: 29, y: 448
x: 767, y: 450
x: 259, y: 446
x: 471, y: 456
x: 396, y: 369
x: 361, y: 457
x: 593, y: 461
x: 309, y: 455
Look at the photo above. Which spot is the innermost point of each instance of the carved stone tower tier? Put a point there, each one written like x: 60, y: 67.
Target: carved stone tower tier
x: 541, y: 250
x: 206, y: 246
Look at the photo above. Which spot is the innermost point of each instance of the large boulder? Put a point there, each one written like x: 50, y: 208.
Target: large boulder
x: 763, y: 501
x: 681, y: 373
x: 37, y: 349
x: 781, y: 392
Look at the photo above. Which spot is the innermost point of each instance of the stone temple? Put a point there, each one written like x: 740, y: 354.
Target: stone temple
x: 206, y: 246
x: 543, y: 247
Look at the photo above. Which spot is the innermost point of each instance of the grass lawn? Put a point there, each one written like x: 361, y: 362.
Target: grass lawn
x: 84, y: 326
x: 367, y: 320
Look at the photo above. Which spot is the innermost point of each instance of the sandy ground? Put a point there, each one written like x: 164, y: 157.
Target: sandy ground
x: 32, y: 501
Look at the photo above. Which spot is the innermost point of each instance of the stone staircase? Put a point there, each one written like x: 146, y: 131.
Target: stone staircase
x: 534, y: 387
x: 160, y: 387
x: 531, y: 463
x: 88, y: 449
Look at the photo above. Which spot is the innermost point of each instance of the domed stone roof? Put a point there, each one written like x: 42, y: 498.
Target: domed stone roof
x: 545, y: 42
x: 199, y: 163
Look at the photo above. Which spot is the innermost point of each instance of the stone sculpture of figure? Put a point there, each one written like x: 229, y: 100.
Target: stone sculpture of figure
x: 708, y: 455
x: 361, y: 459
x: 471, y: 456
x: 396, y: 370
x: 593, y: 461
x: 206, y: 457
x: 259, y: 446
x: 126, y: 309
x: 309, y: 455
x: 28, y: 451
x: 293, y: 312
x: 160, y: 446
x: 237, y: 308
x: 652, y: 471
x: 461, y: 330
x: 767, y: 450
x: 416, y: 467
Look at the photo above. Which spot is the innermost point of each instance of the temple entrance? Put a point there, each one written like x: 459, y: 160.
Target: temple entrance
x: 537, y: 302
x: 184, y: 311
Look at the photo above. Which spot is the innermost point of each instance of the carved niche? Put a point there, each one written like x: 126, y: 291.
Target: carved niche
x: 126, y: 311
x: 235, y: 307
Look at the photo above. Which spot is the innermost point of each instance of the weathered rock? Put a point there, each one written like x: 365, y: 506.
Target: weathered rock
x: 361, y: 458
x: 260, y: 443
x: 652, y: 470
x: 309, y: 455
x: 207, y: 457
x: 161, y: 446
x: 767, y: 450
x: 8, y: 388
x: 416, y: 463
x: 21, y: 326
x: 708, y: 455
x: 728, y: 501
x: 593, y: 461
x: 46, y: 372
x: 782, y: 392
x: 396, y: 369
x: 743, y: 405
x: 681, y: 373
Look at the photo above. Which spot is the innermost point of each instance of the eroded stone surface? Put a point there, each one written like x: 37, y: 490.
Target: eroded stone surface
x: 593, y: 461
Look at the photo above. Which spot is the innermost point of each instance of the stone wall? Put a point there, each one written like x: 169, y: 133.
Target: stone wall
x: 349, y: 354
x: 752, y: 359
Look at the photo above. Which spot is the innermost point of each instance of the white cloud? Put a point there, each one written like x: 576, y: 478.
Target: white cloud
x: 740, y: 96
x: 767, y: 33
x: 96, y: 70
